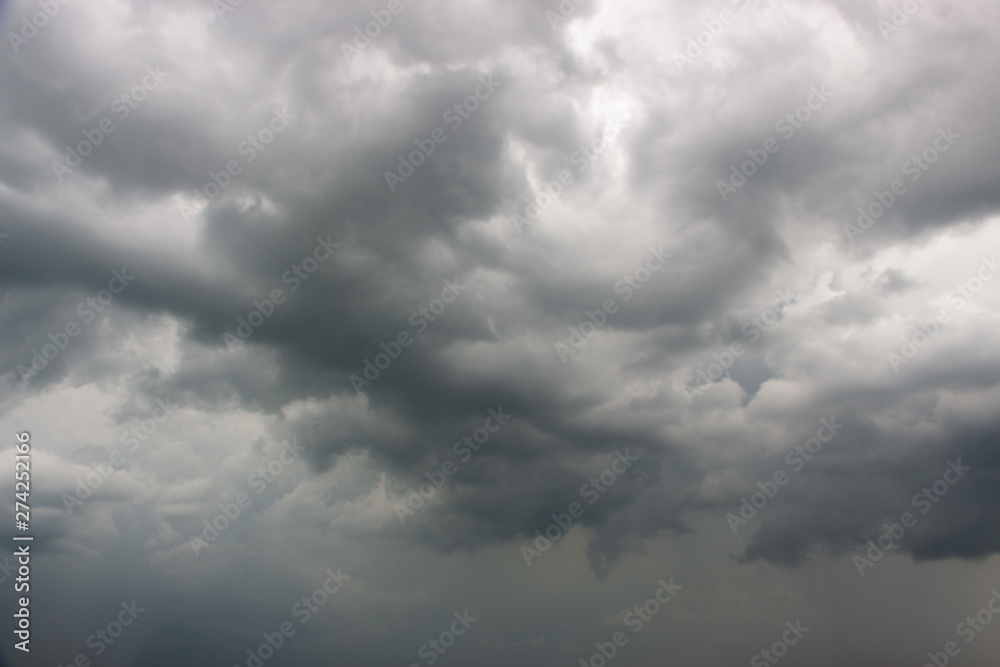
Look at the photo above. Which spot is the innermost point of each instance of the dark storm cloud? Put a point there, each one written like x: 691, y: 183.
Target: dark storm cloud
x: 845, y: 507
x: 322, y: 183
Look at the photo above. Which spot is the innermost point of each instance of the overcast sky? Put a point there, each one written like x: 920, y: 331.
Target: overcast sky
x: 451, y: 332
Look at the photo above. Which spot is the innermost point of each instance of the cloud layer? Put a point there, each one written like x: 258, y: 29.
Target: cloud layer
x: 698, y: 234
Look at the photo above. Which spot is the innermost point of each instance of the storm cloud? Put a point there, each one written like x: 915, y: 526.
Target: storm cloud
x: 504, y: 309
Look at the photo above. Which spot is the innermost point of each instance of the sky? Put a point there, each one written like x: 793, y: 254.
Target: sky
x: 384, y: 332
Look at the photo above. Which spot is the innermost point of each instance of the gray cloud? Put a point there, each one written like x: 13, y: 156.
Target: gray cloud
x: 204, y: 270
